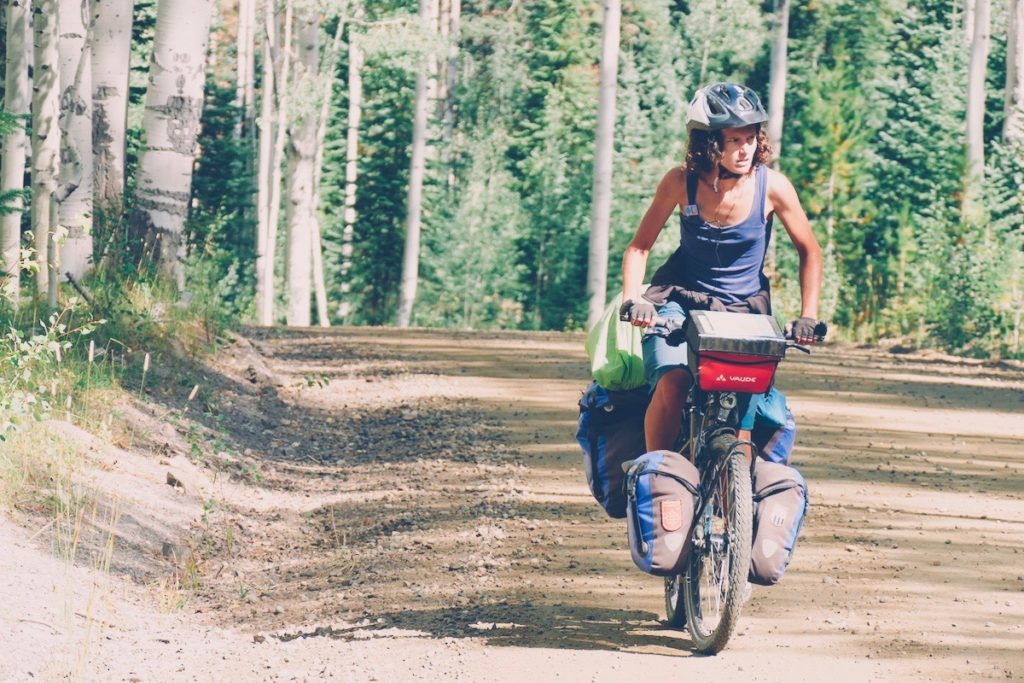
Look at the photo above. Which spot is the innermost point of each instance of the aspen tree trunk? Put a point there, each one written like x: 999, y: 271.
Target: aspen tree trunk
x: 174, y: 106
x: 777, y: 109
x: 111, y: 42
x: 45, y: 136
x: 265, y: 285
x: 706, y: 52
x: 327, y: 76
x: 301, y: 154
x: 969, y: 19
x: 17, y: 101
x: 451, y: 78
x: 777, y: 80
x: 76, y: 158
x: 355, y: 105
x: 1013, y: 125
x: 830, y: 288
x: 282, y: 88
x: 417, y: 171
x: 442, y: 28
x: 245, y: 63
x: 976, y: 111
x: 597, y: 266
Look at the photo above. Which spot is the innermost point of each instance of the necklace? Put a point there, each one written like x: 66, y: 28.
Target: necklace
x: 723, y: 210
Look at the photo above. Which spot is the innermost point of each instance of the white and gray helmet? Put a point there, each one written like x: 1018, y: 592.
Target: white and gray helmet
x: 724, y: 105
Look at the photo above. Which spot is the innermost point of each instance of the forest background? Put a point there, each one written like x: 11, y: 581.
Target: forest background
x: 282, y: 178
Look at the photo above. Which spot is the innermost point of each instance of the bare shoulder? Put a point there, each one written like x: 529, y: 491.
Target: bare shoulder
x: 674, y: 180
x: 778, y: 182
x: 780, y: 190
x: 672, y: 188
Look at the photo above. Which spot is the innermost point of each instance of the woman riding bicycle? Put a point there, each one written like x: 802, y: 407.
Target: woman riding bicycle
x: 727, y: 197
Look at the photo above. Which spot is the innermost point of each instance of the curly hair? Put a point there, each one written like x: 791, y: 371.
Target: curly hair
x: 704, y: 150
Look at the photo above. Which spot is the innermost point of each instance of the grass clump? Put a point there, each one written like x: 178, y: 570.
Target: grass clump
x: 75, y: 362
x: 36, y: 473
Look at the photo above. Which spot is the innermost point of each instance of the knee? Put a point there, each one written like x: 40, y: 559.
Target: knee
x: 672, y: 387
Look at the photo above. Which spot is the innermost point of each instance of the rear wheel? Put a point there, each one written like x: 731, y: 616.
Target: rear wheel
x: 720, y: 561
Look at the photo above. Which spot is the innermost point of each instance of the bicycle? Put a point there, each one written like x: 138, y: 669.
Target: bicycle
x: 709, y: 597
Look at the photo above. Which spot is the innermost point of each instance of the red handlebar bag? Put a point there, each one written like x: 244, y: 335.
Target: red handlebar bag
x: 719, y: 371
x: 734, y: 351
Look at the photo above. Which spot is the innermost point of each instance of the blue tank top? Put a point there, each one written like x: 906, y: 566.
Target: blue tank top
x: 725, y: 262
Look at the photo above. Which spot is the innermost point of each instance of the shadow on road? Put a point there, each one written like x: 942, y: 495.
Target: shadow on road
x: 522, y: 625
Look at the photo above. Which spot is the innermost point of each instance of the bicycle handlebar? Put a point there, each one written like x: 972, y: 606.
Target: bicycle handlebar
x: 670, y: 328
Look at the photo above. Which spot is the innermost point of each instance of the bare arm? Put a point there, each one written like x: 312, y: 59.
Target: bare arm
x: 634, y: 260
x: 787, y: 207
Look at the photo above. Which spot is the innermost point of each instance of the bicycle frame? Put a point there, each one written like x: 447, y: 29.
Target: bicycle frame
x: 718, y: 407
x: 722, y: 529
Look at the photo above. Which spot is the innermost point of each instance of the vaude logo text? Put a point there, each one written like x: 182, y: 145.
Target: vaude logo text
x: 735, y: 378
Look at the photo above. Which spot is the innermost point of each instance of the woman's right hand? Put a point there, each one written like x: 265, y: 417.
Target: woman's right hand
x: 639, y: 313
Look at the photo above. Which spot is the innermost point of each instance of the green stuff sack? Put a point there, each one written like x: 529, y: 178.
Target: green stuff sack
x: 616, y: 361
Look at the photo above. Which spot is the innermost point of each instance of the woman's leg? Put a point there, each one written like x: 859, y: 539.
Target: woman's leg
x: 665, y: 412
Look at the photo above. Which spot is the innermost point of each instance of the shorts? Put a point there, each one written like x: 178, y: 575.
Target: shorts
x: 659, y: 358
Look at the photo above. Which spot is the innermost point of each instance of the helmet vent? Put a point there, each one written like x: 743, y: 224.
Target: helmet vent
x: 724, y: 105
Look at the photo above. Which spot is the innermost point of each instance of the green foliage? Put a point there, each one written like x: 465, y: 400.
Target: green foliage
x: 34, y: 375
x: 920, y: 163
x: 471, y: 277
x: 827, y: 153
x: 873, y: 141
x: 725, y: 38
x: 143, y: 31
x: 385, y: 135
x: 970, y: 321
x: 222, y: 221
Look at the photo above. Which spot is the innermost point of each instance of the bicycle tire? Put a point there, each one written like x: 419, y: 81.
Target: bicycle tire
x: 675, y: 603
x: 720, y: 563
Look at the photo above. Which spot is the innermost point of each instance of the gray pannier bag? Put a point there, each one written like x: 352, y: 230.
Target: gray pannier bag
x: 780, y: 503
x: 661, y: 494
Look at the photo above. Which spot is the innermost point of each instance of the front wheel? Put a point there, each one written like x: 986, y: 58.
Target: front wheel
x: 720, y: 561
x: 675, y: 607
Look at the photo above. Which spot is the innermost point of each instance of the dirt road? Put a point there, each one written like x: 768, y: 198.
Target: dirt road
x: 411, y: 506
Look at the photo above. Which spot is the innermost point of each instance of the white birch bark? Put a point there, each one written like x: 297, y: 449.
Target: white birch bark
x: 111, y: 41
x: 17, y: 101
x: 76, y: 163
x: 174, y: 106
x: 777, y: 109
x: 443, y: 26
x: 777, y: 80
x: 45, y: 136
x: 244, y: 62
x: 265, y: 284
x: 355, y: 111
x: 327, y: 76
x: 301, y: 154
x: 417, y: 171
x: 976, y: 110
x: 969, y: 18
x: 451, y: 78
x: 282, y: 85
x: 1013, y: 125
x: 597, y: 266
